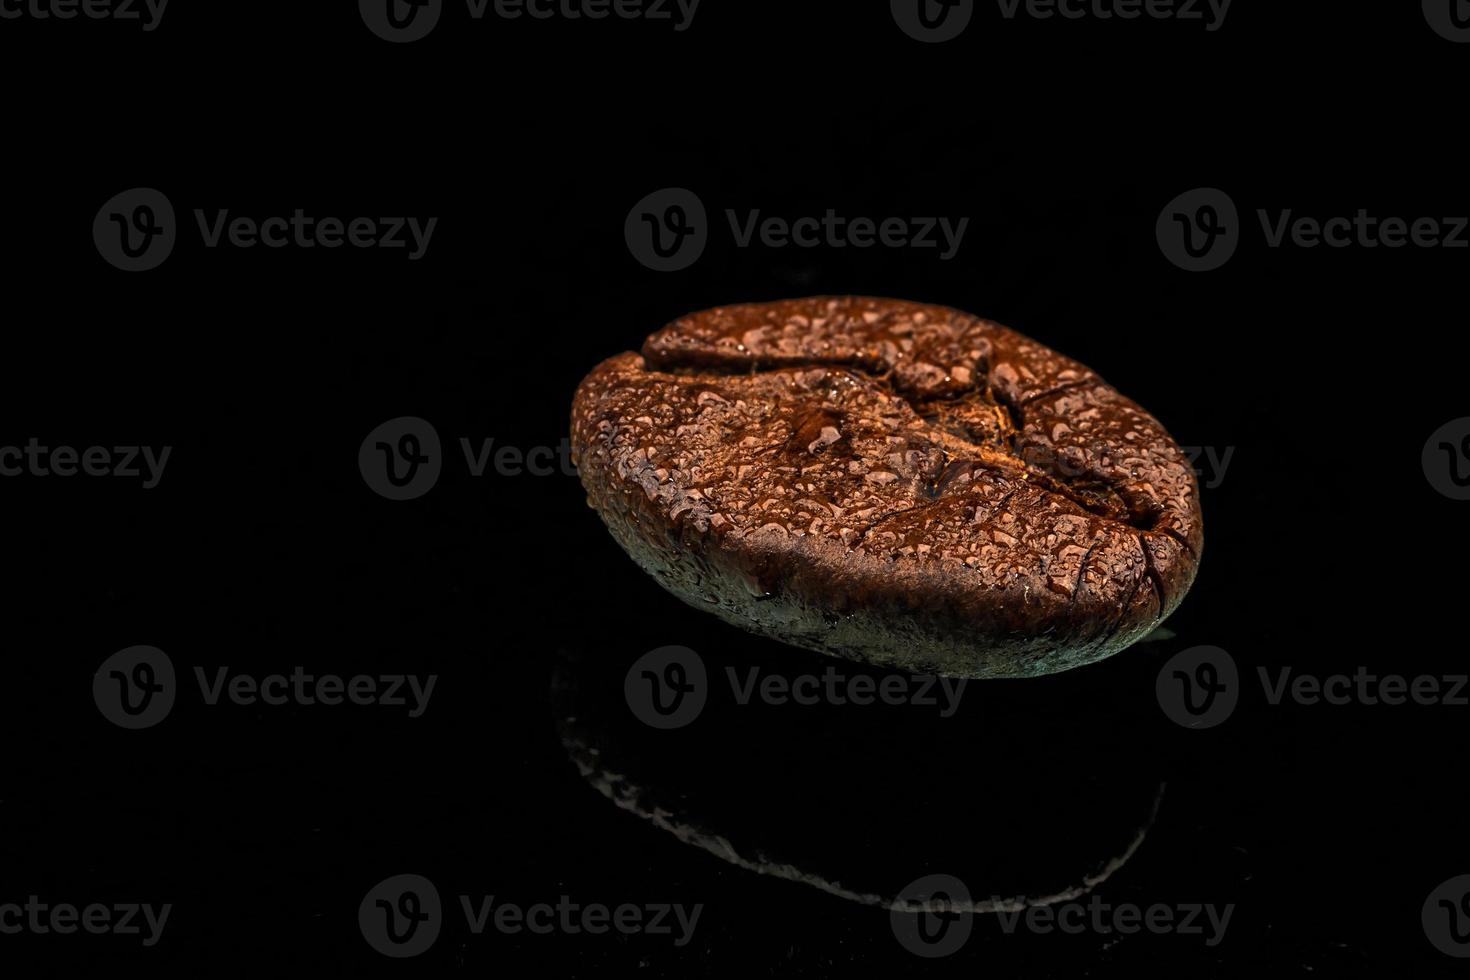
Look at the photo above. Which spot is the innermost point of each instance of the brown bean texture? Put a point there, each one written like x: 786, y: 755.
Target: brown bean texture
x: 896, y: 483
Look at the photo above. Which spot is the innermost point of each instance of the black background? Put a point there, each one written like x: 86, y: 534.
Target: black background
x: 262, y: 548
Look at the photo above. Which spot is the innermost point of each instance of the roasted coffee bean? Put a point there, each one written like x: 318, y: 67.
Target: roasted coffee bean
x: 895, y: 483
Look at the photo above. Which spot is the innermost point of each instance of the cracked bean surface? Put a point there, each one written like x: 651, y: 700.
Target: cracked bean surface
x: 897, y: 483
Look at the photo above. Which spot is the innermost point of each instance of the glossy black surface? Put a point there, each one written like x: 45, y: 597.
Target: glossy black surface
x: 262, y: 548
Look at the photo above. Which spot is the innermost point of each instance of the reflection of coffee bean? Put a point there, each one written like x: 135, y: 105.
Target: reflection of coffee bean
x: 869, y: 478
x: 788, y: 794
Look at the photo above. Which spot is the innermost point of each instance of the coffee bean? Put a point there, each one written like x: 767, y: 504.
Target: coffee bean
x: 913, y: 486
